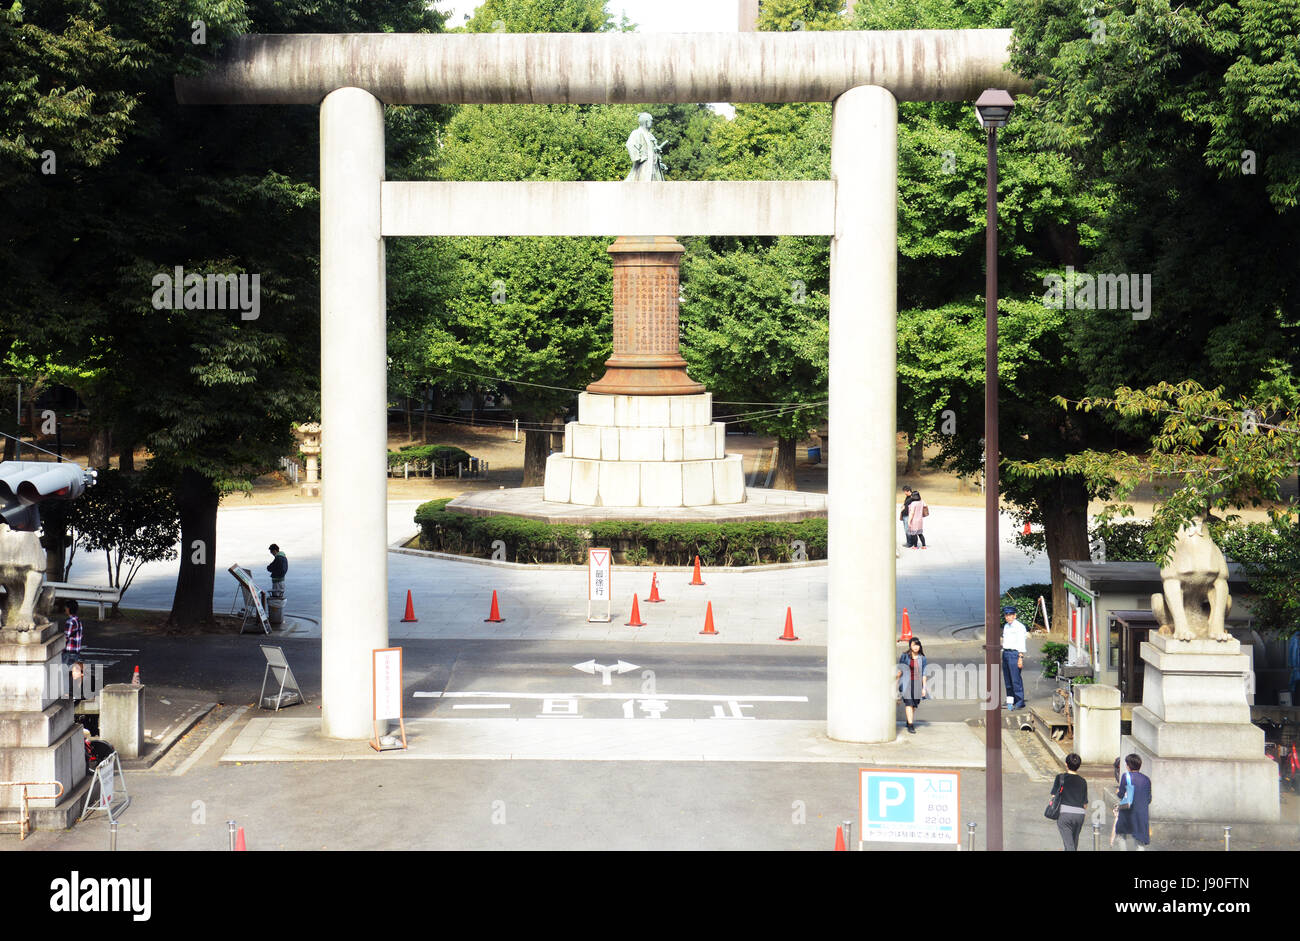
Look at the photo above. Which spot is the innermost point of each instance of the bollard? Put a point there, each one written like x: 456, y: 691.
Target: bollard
x: 1227, y: 839
x: 112, y: 836
x: 516, y: 431
x: 230, y: 826
x: 1096, y: 837
x: 848, y: 832
x: 970, y: 837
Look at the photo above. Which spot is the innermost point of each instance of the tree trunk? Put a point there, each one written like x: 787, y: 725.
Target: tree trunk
x: 915, y: 455
x: 1063, y: 505
x: 100, y: 443
x: 537, y: 447
x: 785, y: 451
x: 54, y: 537
x: 197, y: 500
x: 424, y: 413
x: 409, y: 439
x: 126, y: 458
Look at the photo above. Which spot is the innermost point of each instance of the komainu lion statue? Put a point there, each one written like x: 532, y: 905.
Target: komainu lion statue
x: 1195, y: 602
x: 22, y: 567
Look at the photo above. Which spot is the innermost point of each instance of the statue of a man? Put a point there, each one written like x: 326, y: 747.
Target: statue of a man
x: 644, y: 151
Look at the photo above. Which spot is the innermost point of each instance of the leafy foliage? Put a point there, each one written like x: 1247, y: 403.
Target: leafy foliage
x: 132, y: 518
x: 632, y: 541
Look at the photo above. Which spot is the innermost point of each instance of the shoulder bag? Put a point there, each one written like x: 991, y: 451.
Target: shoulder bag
x: 1053, y: 810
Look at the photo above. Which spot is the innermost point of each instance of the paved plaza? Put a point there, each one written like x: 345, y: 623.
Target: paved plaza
x: 941, y: 586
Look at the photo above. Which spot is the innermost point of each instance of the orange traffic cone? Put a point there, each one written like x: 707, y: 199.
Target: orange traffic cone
x: 240, y: 845
x: 636, y: 616
x: 695, y: 579
x: 654, y: 590
x: 907, y: 628
x: 789, y: 627
x: 708, y: 620
x: 839, y: 841
x: 410, y: 609
x: 494, y: 616
x: 1027, y: 529
x: 135, y: 677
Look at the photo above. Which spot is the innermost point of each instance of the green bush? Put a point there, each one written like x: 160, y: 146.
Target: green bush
x: 426, y: 455
x: 633, y: 542
x: 1024, y: 598
x: 1054, y: 655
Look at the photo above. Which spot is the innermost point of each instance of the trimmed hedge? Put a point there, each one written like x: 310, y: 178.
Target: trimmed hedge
x: 426, y: 455
x: 633, y: 542
x: 1024, y: 598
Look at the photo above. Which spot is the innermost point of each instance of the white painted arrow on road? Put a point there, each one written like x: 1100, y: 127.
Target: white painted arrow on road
x: 591, y: 666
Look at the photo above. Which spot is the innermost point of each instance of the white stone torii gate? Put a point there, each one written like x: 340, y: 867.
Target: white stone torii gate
x: 865, y: 74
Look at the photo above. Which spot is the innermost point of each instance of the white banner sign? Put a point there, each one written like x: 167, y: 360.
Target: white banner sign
x: 909, y: 806
x: 388, y: 683
x: 600, y: 574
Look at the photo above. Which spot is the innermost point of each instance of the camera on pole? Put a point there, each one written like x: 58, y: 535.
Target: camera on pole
x: 24, y: 485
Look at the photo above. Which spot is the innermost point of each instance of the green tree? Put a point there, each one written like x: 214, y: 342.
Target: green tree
x: 209, y: 393
x: 132, y: 519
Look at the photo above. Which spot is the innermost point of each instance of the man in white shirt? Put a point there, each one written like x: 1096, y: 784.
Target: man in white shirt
x: 1014, y: 635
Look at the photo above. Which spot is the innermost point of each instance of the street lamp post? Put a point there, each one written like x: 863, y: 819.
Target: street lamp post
x: 993, y: 108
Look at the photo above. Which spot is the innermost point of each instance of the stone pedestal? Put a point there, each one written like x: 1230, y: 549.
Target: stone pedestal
x: 39, y: 741
x: 645, y: 451
x: 1204, y: 757
x: 121, y: 718
x: 1096, y: 723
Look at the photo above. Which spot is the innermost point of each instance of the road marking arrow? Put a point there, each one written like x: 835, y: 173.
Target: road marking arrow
x: 591, y: 666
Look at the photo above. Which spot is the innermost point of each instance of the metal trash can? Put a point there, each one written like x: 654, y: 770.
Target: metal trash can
x: 815, y: 455
x: 275, y: 604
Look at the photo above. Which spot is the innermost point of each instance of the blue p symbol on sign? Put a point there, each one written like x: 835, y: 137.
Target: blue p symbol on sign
x: 890, y: 800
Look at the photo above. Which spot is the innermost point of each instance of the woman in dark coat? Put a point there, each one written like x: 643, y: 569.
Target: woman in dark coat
x: 911, y: 680
x: 1133, y: 820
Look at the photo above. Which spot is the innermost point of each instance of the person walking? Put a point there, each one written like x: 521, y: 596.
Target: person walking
x: 1132, y: 816
x: 1014, y: 636
x: 1074, y: 802
x: 914, y: 511
x: 72, y: 636
x: 911, y: 680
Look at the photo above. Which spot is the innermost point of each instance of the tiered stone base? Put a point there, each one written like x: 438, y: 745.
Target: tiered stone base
x: 39, y: 741
x: 645, y: 451
x: 1204, y: 757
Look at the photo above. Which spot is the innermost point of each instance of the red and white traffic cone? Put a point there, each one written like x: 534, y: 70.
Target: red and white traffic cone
x: 654, y: 590
x: 789, y: 626
x: 695, y: 579
x: 410, y: 609
x: 907, y: 628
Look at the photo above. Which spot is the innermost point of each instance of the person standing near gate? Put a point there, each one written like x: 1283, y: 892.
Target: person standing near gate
x: 1014, y: 635
x: 278, y: 567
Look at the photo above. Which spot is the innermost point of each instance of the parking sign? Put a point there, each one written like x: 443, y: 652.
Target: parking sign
x: 897, y: 806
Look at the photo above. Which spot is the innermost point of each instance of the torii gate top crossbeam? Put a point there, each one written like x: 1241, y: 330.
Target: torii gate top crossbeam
x: 600, y: 68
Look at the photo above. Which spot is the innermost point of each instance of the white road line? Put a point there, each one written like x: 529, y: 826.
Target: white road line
x: 675, y: 697
x: 211, y: 740
x: 494, y: 705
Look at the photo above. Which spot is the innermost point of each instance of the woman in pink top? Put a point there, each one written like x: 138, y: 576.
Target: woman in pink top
x: 915, y: 521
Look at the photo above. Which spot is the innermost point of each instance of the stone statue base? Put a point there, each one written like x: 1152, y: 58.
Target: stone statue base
x: 39, y: 741
x: 1205, y: 759
x: 645, y: 451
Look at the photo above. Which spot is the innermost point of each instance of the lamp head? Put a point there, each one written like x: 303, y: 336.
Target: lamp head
x: 993, y: 108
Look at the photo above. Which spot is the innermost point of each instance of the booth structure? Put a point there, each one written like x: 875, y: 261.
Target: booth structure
x: 864, y: 74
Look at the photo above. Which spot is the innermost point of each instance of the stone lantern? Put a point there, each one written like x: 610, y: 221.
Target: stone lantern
x: 308, y: 436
